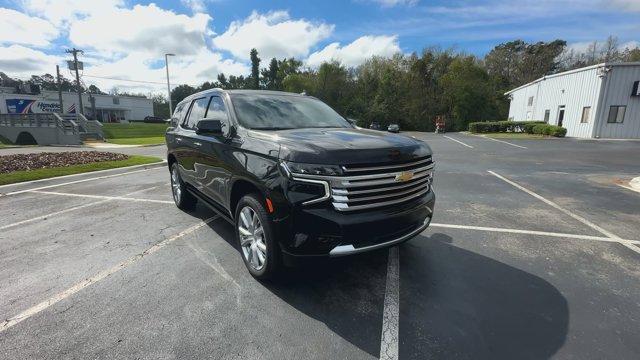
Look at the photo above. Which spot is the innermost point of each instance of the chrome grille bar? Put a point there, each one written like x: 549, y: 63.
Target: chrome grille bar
x: 378, y: 189
x: 386, y: 167
x: 347, y: 207
x: 363, y: 177
x: 347, y: 199
x: 369, y: 187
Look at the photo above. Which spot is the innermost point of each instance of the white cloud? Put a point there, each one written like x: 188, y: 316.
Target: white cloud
x: 194, y: 69
x: 197, y: 6
x: 142, y: 29
x: 391, y: 3
x: 356, y: 52
x: 20, y: 61
x: 631, y: 45
x: 18, y: 28
x: 633, y: 5
x: 62, y: 12
x: 273, y: 34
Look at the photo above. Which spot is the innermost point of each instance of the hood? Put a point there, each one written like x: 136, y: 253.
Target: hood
x: 345, y: 146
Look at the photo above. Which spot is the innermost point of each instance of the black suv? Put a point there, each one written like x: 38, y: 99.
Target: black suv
x: 295, y: 178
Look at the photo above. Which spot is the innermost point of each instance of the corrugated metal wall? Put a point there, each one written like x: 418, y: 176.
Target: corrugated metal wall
x: 574, y: 90
x: 618, y: 92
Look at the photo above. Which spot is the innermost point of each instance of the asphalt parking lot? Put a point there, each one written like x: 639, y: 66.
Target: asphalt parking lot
x: 532, y: 254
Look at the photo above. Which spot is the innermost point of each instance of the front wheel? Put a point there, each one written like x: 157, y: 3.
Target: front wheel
x: 258, y: 247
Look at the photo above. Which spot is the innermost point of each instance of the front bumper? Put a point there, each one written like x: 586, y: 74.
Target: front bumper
x: 320, y: 230
x: 342, y: 250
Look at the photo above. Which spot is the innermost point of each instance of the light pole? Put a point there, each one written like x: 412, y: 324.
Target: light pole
x: 166, y: 62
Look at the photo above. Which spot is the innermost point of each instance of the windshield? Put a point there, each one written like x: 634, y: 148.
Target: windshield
x: 278, y: 112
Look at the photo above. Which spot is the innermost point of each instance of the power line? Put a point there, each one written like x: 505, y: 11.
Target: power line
x: 135, y: 81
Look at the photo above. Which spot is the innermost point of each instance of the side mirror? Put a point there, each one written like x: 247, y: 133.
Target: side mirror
x: 209, y: 127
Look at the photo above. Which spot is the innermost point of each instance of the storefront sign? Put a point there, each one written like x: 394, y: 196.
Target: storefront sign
x: 33, y: 106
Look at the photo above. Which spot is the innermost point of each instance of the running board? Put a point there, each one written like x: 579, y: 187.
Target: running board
x: 210, y: 205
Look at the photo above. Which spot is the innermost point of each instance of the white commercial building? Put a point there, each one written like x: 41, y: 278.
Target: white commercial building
x: 599, y: 101
x: 108, y: 108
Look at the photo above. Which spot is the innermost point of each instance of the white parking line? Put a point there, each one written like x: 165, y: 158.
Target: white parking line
x: 569, y: 213
x: 46, y: 216
x: 78, y: 181
x: 533, y: 232
x: 103, y: 197
x: 504, y: 142
x: 458, y: 141
x: 391, y: 310
x: 97, y: 277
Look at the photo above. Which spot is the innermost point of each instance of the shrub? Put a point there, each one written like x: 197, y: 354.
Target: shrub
x: 551, y: 130
x: 501, y: 126
x: 529, y: 127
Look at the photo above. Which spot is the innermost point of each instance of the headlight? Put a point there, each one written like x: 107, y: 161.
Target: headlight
x: 304, y: 190
x: 311, y: 169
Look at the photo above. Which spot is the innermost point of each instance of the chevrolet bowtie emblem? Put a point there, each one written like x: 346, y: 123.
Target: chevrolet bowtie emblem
x: 404, y: 176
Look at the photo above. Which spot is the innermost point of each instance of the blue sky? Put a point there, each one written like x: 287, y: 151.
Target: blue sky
x: 125, y: 39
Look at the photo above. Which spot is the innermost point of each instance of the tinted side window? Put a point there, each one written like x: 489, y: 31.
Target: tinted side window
x: 197, y: 112
x: 217, y: 110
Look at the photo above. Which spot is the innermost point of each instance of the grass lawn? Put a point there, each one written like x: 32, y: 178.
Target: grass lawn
x: 153, y: 140
x: 516, y: 136
x: 135, y: 133
x: 28, y: 175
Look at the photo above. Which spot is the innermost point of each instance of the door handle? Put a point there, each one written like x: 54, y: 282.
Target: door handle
x: 178, y: 139
x: 197, y: 143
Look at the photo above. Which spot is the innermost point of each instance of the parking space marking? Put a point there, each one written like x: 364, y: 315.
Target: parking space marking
x: 74, y: 208
x: 78, y: 181
x: 534, y: 232
x: 458, y: 141
x: 97, y: 277
x: 569, y: 213
x: 391, y: 311
x: 103, y: 197
x: 504, y: 142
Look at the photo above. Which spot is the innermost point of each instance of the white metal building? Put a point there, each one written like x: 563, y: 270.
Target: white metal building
x: 599, y: 101
x: 108, y: 108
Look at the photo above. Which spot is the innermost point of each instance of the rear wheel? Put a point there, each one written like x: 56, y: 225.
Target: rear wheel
x: 259, y: 250
x: 182, y: 198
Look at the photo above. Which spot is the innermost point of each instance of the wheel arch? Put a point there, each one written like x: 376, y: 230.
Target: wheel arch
x: 240, y: 188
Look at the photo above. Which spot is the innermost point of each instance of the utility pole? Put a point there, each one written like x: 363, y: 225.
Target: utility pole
x: 75, y: 52
x: 166, y: 62
x: 59, y: 89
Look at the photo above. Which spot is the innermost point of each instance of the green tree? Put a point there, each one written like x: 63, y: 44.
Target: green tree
x: 468, y: 92
x: 255, y: 69
x: 180, y: 92
x: 270, y: 76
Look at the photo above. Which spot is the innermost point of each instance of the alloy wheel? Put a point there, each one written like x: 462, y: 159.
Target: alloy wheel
x: 252, y: 241
x: 175, y: 184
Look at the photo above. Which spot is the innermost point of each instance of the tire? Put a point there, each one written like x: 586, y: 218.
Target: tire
x: 259, y: 249
x: 181, y: 197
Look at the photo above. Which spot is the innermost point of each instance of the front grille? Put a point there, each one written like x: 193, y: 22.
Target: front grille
x: 369, y: 186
